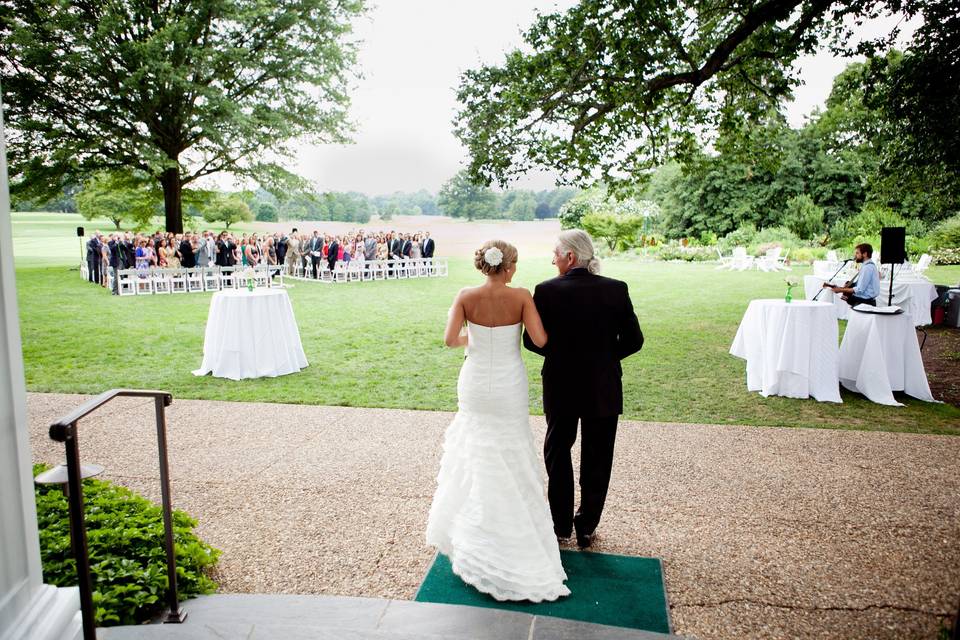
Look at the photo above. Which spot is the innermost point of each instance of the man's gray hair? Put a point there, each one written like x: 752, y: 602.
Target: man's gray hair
x: 579, y: 243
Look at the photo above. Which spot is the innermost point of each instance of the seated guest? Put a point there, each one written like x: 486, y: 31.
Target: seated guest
x: 865, y: 286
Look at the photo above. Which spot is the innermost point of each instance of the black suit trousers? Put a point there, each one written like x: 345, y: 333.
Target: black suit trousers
x: 597, y: 438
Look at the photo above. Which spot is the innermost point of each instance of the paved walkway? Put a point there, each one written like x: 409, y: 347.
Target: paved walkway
x: 764, y: 532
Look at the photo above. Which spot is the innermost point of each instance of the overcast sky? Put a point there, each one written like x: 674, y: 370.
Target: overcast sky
x: 412, y: 55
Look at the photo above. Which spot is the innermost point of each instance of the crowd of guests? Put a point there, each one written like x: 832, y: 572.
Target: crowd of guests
x: 310, y: 251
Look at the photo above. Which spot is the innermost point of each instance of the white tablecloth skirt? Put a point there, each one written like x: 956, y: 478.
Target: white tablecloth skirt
x: 791, y: 349
x: 879, y: 355
x: 913, y: 296
x: 251, y: 335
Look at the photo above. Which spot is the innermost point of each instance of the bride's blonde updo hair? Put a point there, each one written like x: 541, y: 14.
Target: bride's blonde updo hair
x: 480, y: 257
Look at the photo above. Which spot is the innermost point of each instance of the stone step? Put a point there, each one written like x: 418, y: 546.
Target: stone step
x: 298, y: 617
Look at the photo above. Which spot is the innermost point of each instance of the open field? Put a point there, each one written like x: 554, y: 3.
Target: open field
x: 379, y: 344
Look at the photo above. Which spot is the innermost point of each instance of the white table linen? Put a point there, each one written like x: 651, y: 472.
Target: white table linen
x: 914, y: 296
x: 880, y: 354
x: 790, y: 348
x: 251, y: 335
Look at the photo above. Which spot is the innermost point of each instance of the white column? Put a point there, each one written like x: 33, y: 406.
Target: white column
x: 28, y: 608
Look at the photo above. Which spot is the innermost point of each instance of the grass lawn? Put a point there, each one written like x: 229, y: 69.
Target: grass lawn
x: 379, y: 344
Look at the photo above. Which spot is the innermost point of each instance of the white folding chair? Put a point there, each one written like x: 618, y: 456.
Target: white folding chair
x: 145, y: 283
x: 355, y: 271
x: 340, y: 272
x: 127, y: 282
x: 226, y: 277
x: 261, y: 274
x: 211, y: 279
x: 161, y: 280
x: 178, y: 281
x: 84, y: 271
x: 379, y: 269
x: 413, y: 268
x: 401, y: 268
x: 194, y: 280
x: 442, y: 268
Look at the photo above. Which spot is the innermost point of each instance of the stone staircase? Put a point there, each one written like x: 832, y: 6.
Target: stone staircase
x: 296, y: 617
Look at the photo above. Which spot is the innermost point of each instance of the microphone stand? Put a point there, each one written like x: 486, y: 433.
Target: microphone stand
x: 830, y: 279
x: 890, y: 296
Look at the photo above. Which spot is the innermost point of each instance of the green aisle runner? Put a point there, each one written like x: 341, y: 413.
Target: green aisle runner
x: 605, y: 589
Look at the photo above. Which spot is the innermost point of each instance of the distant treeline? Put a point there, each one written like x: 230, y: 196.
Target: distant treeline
x: 126, y: 200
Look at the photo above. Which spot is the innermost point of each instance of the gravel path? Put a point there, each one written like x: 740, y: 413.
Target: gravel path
x: 764, y: 532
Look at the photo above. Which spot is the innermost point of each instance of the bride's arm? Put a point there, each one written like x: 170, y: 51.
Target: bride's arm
x: 452, y: 336
x: 532, y: 322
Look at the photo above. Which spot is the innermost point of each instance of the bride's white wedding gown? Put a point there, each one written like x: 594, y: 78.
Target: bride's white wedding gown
x: 489, y: 514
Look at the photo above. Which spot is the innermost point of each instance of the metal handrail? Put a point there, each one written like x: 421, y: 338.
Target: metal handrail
x: 65, y: 430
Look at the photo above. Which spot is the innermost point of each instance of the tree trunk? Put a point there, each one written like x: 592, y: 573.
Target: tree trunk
x: 172, y: 203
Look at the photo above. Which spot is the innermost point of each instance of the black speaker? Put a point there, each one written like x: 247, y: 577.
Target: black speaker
x: 893, y: 245
x: 79, y: 232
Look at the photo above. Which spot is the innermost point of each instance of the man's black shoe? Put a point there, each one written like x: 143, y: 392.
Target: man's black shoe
x: 585, y: 541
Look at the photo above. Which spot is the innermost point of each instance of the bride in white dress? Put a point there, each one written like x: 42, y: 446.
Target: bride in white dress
x: 489, y: 514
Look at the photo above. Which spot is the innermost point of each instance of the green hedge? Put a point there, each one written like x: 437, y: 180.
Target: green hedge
x: 126, y: 547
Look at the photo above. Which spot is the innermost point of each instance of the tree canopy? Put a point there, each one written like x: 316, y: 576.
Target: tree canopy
x: 611, y: 89
x: 175, y: 89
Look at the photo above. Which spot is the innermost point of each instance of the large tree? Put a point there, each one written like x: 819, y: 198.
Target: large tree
x: 612, y: 88
x: 461, y: 198
x: 174, y: 88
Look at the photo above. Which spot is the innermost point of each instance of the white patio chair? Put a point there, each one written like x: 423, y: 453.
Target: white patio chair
x: 923, y: 263
x: 741, y: 261
x: 768, y: 261
x: 161, y: 280
x: 725, y: 262
x: 832, y: 256
x: 127, y: 282
x: 782, y: 262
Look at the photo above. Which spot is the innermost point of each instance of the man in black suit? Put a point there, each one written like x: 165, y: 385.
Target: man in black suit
x: 315, y: 248
x: 332, y: 250
x: 93, y: 259
x: 591, y: 327
x: 114, y: 246
x: 187, y: 261
x: 128, y: 252
x: 406, y: 246
x: 428, y: 246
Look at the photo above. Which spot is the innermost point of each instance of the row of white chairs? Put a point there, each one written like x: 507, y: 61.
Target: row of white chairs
x: 139, y: 282
x: 356, y: 271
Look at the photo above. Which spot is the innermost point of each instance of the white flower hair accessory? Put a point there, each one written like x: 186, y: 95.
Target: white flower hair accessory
x: 493, y: 256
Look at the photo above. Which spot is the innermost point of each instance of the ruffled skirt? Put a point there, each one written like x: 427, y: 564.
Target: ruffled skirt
x: 489, y: 514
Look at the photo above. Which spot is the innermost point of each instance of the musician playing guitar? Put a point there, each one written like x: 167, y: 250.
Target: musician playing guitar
x: 865, y: 286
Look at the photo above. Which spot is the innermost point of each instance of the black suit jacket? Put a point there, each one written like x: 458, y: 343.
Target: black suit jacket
x: 114, y: 254
x: 591, y: 327
x: 428, y: 248
x: 129, y: 255
x: 186, y: 255
x: 332, y: 252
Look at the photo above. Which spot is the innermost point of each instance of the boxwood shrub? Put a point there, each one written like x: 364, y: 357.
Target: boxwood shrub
x: 126, y: 546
